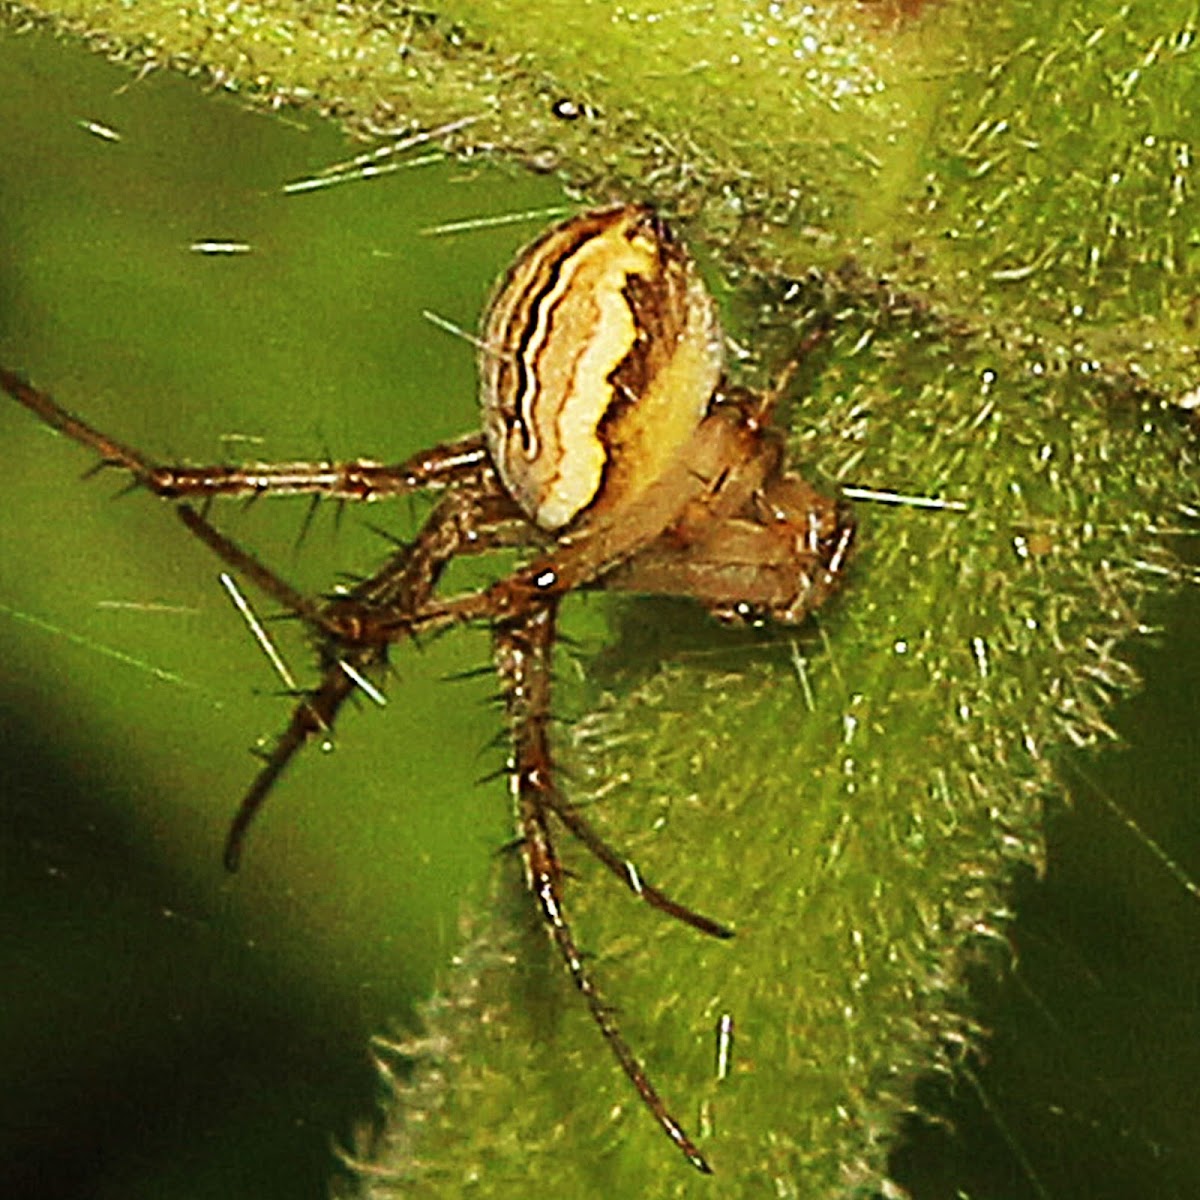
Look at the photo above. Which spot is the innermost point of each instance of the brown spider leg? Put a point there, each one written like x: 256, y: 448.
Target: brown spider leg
x: 743, y: 568
x: 408, y: 577
x: 315, y: 714
x: 407, y: 585
x: 523, y: 646
x: 448, y: 464
x: 582, y: 558
x: 466, y: 521
x: 782, y: 565
x: 625, y: 870
x: 245, y: 563
x: 358, y: 479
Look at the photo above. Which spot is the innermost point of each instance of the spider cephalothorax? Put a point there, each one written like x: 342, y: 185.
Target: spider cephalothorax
x: 614, y: 453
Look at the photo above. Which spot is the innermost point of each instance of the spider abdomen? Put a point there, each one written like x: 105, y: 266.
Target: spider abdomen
x: 601, y: 353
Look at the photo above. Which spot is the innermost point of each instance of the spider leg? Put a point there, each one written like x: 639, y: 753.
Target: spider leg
x: 454, y: 462
x: 314, y: 714
x: 474, y: 518
x: 781, y: 556
x: 745, y: 569
x: 625, y: 870
x: 245, y: 563
x: 727, y: 464
x: 465, y: 521
x: 532, y: 677
x: 578, y: 560
x: 523, y: 645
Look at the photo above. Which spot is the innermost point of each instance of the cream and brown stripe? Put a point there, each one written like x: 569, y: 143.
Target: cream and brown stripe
x: 601, y: 336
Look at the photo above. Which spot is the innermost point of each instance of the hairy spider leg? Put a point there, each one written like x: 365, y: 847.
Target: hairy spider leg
x: 249, y: 566
x: 783, y: 563
x: 625, y: 870
x: 464, y: 522
x: 523, y: 646
x: 467, y: 520
x: 355, y: 479
x: 407, y: 578
x: 730, y: 433
x: 473, y: 518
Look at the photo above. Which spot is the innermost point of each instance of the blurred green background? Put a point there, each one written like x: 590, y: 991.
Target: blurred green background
x: 169, y: 1030
x: 172, y: 1032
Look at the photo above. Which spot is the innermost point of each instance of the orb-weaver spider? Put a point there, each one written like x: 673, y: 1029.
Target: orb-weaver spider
x: 616, y: 454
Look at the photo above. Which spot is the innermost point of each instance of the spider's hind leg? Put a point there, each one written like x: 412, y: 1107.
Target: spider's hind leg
x: 523, y: 647
x: 468, y: 520
x: 523, y: 651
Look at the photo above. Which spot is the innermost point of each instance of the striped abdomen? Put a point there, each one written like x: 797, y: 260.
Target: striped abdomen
x: 601, y: 351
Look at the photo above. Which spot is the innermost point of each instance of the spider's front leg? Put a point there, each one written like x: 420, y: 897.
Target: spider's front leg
x: 523, y: 647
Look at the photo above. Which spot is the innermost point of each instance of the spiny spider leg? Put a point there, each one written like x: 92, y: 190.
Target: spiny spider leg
x: 451, y: 463
x: 464, y: 522
x: 584, y: 557
x: 246, y: 564
x: 357, y: 479
x: 523, y: 646
x: 471, y: 520
x: 314, y: 714
x: 57, y: 417
x: 624, y: 869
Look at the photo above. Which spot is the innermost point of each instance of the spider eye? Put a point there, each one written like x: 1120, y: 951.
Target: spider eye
x: 741, y: 613
x: 601, y: 352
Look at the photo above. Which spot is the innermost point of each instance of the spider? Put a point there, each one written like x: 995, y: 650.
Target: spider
x: 614, y: 454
